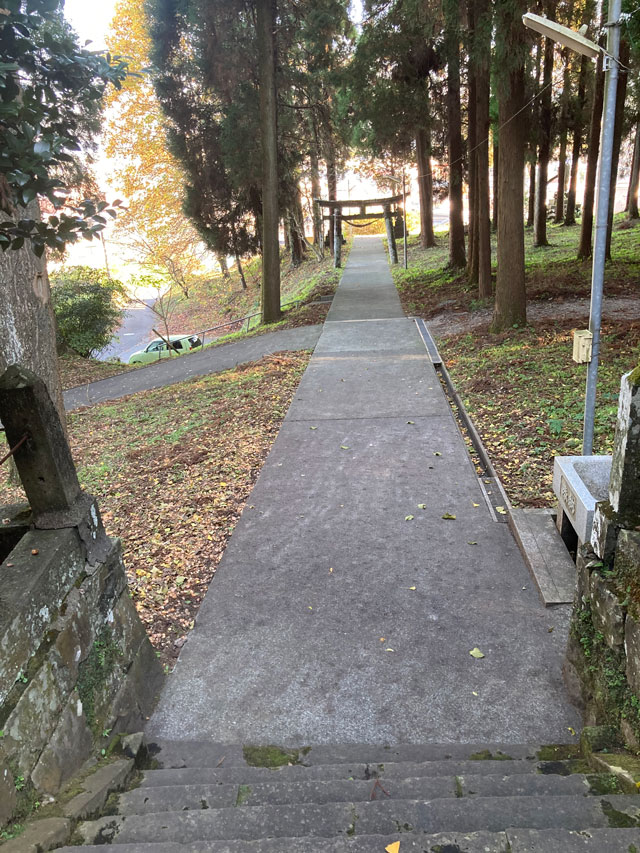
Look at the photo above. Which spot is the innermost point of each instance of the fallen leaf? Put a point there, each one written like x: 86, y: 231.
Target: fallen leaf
x: 550, y: 630
x: 571, y: 730
x: 393, y: 848
x: 472, y: 543
x: 448, y: 516
x: 180, y: 580
x: 330, y: 571
x: 437, y: 454
x: 35, y: 552
x: 476, y: 504
x: 310, y: 608
x: 388, y: 650
x: 422, y: 506
x: 408, y: 517
x: 412, y: 587
x: 411, y: 422
x: 474, y: 692
x: 344, y: 447
x: 382, y: 639
x: 10, y: 564
x: 313, y: 427
x: 476, y: 653
x: 501, y: 510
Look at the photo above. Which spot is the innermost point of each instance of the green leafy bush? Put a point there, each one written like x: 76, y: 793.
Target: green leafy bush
x: 87, y: 305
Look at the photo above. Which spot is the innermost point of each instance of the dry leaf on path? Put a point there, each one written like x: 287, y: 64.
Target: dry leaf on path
x: 476, y: 653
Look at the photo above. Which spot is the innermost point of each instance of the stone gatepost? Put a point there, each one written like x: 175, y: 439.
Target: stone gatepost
x: 622, y: 510
x: 75, y: 661
x: 602, y: 668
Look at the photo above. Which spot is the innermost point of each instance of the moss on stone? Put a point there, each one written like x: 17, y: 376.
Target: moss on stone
x: 487, y: 755
x: 565, y: 768
x: 604, y: 783
x: 630, y: 763
x: 244, y: 792
x: 559, y: 752
x: 271, y: 756
x: 94, y: 672
x: 602, y: 672
x: 617, y: 819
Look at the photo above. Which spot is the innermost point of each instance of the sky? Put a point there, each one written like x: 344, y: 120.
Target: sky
x: 90, y: 18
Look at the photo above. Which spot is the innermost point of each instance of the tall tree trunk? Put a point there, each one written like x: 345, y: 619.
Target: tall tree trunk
x: 266, y: 13
x: 578, y: 124
x: 27, y: 322
x: 496, y: 183
x: 221, y: 258
x: 457, y: 258
x: 510, y: 303
x: 632, y: 200
x: 316, y: 191
x: 563, y: 127
x: 295, y: 219
x: 425, y: 188
x: 482, y: 69
x: 586, y: 228
x: 623, y: 76
x: 531, y: 202
x: 332, y: 180
x: 532, y: 151
x: 241, y: 272
x: 540, y: 214
x: 472, y: 252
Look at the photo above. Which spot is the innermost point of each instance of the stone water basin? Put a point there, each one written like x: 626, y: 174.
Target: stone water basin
x: 579, y: 482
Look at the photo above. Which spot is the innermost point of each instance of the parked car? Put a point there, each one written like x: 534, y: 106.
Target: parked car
x: 158, y: 348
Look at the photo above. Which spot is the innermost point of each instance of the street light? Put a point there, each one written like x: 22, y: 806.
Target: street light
x: 577, y: 41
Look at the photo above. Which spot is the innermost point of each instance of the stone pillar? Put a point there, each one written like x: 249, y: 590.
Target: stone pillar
x: 44, y: 461
x: 622, y: 509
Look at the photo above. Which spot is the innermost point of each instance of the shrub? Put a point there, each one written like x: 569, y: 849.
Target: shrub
x: 87, y: 305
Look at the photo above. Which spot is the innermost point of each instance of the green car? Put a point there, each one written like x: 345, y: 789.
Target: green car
x: 158, y: 348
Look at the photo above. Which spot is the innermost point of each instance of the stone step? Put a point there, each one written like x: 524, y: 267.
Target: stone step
x: 493, y: 814
x: 560, y: 841
x: 244, y: 775
x: 179, y: 797
x: 476, y: 842
x: 512, y: 840
x: 172, y: 754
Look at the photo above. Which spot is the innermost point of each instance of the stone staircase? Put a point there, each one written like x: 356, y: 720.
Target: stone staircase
x: 454, y: 798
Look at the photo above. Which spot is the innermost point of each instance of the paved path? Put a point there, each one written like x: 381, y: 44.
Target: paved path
x: 332, y: 619
x: 173, y: 370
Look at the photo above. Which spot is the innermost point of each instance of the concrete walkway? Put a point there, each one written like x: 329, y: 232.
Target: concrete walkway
x: 202, y: 363
x: 332, y: 618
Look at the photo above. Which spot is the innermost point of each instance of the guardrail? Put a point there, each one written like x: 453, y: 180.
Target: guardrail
x: 240, y: 321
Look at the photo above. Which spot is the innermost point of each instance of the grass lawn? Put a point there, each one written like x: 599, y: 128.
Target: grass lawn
x: 172, y: 469
x: 552, y: 272
x: 526, y: 397
x: 521, y: 387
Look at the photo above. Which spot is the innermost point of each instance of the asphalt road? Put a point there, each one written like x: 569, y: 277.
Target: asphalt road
x: 134, y: 333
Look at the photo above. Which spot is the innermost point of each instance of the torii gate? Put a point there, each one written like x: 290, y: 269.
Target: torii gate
x: 336, y: 216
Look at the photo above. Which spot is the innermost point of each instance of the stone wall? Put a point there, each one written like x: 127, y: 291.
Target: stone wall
x: 602, y: 668
x: 75, y: 661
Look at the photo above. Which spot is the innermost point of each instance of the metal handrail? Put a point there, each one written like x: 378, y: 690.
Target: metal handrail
x: 202, y: 335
